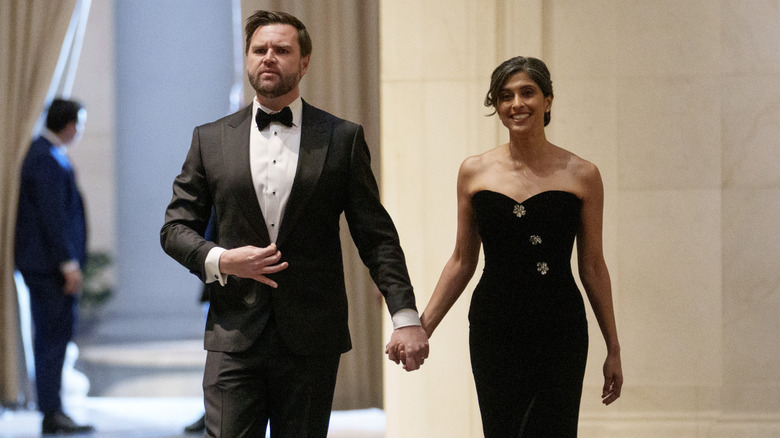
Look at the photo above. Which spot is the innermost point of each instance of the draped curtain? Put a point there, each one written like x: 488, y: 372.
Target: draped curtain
x: 343, y: 78
x: 39, y: 46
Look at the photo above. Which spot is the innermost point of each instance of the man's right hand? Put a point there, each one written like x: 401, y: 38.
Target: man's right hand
x: 252, y: 262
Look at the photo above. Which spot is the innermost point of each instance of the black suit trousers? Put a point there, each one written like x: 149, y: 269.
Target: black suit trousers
x: 245, y: 391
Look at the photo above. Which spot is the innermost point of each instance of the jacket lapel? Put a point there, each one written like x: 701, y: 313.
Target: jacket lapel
x: 311, y: 158
x: 236, y: 158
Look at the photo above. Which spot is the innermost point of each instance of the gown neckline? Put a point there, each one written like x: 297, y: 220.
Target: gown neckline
x: 545, y: 192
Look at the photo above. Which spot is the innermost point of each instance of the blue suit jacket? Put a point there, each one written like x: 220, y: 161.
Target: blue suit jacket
x: 50, y: 226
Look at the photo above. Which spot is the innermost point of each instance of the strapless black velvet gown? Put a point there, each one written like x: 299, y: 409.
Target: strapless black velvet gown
x: 528, y: 331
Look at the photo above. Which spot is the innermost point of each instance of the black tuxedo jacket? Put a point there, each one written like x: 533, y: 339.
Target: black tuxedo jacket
x: 333, y: 176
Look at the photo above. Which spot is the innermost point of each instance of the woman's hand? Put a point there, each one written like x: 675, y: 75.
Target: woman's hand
x: 613, y: 379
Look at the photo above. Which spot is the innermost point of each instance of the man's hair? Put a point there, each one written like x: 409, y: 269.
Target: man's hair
x: 533, y: 67
x: 61, y: 112
x: 263, y: 18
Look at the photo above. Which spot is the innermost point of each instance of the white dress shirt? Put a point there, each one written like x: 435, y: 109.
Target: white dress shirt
x: 273, y: 159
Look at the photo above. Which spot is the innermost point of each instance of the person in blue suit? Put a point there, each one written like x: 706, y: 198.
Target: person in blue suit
x: 50, y: 252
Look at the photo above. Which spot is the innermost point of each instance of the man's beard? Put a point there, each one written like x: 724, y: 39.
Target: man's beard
x: 271, y: 90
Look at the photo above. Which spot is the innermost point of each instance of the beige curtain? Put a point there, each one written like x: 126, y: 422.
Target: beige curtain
x: 343, y: 78
x: 32, y: 33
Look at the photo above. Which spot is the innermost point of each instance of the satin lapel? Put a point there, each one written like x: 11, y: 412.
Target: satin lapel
x: 236, y: 155
x: 311, y: 158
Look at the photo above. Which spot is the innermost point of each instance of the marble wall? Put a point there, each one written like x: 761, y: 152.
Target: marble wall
x: 678, y: 103
x: 750, y: 132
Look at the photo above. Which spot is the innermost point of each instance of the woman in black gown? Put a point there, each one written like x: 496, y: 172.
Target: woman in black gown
x: 526, y: 202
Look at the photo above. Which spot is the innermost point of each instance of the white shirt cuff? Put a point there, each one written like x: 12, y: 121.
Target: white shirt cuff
x: 405, y: 317
x: 212, y: 266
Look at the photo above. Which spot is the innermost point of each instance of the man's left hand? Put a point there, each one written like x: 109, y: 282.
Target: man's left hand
x: 408, y: 345
x: 73, y: 282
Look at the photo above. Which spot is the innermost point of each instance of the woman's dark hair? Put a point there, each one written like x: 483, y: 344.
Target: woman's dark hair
x: 534, y: 68
x: 263, y: 18
x: 61, y: 112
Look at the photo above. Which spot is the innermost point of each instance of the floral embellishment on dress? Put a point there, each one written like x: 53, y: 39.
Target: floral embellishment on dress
x: 542, y: 267
x: 535, y: 240
x: 519, y: 210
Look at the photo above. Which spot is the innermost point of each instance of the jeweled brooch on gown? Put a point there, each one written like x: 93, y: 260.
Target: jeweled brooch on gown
x: 542, y: 267
x: 519, y: 210
x: 535, y: 240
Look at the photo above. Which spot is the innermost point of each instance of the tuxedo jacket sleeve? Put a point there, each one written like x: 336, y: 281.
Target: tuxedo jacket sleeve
x: 333, y: 177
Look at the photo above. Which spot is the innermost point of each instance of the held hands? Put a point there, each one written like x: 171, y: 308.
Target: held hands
x: 613, y: 379
x: 252, y: 262
x: 409, y: 346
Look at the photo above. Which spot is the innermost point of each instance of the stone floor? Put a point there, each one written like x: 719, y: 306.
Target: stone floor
x: 159, y: 417
x: 149, y: 390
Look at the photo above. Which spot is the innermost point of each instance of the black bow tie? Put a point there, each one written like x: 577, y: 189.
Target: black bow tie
x: 263, y: 119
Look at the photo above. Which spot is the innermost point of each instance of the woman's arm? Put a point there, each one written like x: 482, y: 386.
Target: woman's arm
x: 595, y: 278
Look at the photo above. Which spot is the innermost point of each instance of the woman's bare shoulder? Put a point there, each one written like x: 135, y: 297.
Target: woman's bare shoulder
x: 477, y: 168
x: 581, y: 168
x: 586, y: 174
x: 481, y: 162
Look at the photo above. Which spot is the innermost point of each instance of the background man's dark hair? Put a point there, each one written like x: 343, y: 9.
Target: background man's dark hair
x: 263, y: 18
x: 61, y: 112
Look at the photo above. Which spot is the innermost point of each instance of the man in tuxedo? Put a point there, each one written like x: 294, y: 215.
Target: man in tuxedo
x: 278, y: 174
x: 50, y: 252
